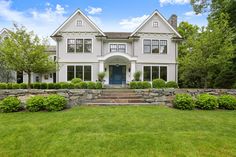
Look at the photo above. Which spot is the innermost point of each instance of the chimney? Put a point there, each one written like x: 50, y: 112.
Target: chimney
x: 173, y: 21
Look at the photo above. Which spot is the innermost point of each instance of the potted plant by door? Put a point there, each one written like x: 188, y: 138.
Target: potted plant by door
x: 101, y: 76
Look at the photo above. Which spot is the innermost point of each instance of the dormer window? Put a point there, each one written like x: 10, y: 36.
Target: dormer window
x: 79, y: 23
x: 155, y: 24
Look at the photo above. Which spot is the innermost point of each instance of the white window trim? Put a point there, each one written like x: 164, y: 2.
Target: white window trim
x: 76, y: 23
x: 75, y: 46
x: 83, y: 71
x: 160, y: 65
x: 167, y: 41
x: 109, y: 48
x: 154, y: 22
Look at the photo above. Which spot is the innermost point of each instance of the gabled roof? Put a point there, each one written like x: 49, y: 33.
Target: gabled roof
x: 74, y: 14
x: 162, y: 17
x: 4, y: 30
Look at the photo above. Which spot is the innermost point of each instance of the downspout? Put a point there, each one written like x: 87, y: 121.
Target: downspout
x: 57, y: 60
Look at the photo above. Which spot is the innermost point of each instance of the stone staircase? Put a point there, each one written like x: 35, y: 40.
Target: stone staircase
x: 118, y: 97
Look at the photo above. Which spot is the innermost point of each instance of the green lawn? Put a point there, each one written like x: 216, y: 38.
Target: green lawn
x: 119, y: 131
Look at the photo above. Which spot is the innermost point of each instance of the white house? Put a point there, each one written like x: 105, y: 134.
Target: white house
x: 84, y: 50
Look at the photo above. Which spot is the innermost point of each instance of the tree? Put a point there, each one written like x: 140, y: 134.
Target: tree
x: 211, y: 52
x: 24, y: 51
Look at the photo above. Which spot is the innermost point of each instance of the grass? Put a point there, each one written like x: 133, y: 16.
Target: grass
x: 119, y: 131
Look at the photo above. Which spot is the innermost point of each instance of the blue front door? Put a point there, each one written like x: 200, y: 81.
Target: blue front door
x: 117, y: 74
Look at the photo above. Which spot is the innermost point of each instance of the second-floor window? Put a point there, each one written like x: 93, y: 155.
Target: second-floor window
x: 154, y: 46
x: 117, y: 48
x: 79, y: 45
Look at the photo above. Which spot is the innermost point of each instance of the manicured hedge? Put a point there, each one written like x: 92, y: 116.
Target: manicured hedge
x: 207, y: 102
x: 227, y: 102
x: 55, y: 102
x: 139, y: 85
x: 35, y: 103
x: 158, y: 83
x: 183, y: 102
x: 10, y: 104
x: 171, y: 84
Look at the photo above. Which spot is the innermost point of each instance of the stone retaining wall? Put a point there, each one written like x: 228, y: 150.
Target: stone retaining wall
x: 74, y: 96
x: 166, y: 96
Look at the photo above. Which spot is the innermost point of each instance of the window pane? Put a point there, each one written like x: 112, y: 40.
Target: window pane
x: 163, y: 46
x: 147, y: 73
x: 79, y: 45
x: 87, y: 45
x: 155, y: 46
x: 147, y: 46
x: 70, y: 73
x: 121, y: 48
x: 113, y: 48
x: 147, y: 42
x: 79, y: 72
x: 70, y: 45
x: 87, y: 73
x: 155, y: 72
x: 147, y: 49
x: 163, y: 73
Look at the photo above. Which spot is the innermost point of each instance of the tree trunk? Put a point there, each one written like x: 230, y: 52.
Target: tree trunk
x: 29, y: 80
x: 205, y: 82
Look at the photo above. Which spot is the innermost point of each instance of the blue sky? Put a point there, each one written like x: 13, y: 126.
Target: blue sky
x: 44, y: 16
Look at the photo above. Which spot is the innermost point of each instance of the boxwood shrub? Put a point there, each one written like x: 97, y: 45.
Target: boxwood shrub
x: 76, y: 80
x: 158, y: 83
x: 183, y: 102
x: 82, y: 85
x: 43, y: 86
x: 35, y: 103
x: 171, y: 84
x: 91, y: 85
x: 64, y: 85
x: 3, y: 86
x: 10, y: 104
x: 23, y: 86
x: 139, y: 85
x: 57, y: 85
x: 9, y: 86
x: 207, y: 102
x: 36, y: 85
x: 133, y: 85
x: 227, y: 102
x: 98, y: 85
x: 55, y: 102
x: 146, y: 85
x: 15, y: 86
x: 51, y: 85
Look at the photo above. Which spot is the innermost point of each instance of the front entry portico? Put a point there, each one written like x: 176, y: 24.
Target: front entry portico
x: 119, y: 68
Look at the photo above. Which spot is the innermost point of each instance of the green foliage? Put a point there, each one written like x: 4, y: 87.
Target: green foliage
x: 91, y: 85
x: 82, y: 85
x: 234, y: 86
x: 57, y: 85
x: 133, y: 85
x: 101, y: 76
x: 23, y: 86
x: 43, y: 86
x: 9, y: 86
x: 139, y: 85
x: 137, y: 75
x: 76, y: 80
x: 207, y: 102
x: 158, y: 83
x: 55, y: 102
x: 227, y: 102
x: 146, y: 85
x: 66, y: 85
x: 51, y: 85
x: 183, y: 102
x: 35, y: 103
x: 3, y: 86
x: 98, y: 85
x: 171, y: 84
x: 10, y: 104
x: 15, y: 86
x: 36, y: 85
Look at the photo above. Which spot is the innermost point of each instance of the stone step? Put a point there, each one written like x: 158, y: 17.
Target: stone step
x: 105, y: 91
x: 118, y: 101
x: 120, y: 94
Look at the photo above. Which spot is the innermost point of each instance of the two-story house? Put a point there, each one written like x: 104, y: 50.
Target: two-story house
x: 84, y: 50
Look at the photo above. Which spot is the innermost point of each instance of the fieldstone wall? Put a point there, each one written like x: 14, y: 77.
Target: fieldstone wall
x: 166, y: 96
x: 74, y: 96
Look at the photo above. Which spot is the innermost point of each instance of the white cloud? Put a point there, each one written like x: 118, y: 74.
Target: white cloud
x: 164, y: 2
x: 191, y: 13
x: 92, y: 10
x: 43, y: 23
x: 132, y: 23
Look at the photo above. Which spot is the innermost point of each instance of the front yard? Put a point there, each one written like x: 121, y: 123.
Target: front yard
x: 119, y: 131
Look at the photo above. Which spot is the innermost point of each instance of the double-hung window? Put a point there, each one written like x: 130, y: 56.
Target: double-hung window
x: 154, y: 46
x: 117, y: 48
x: 84, y: 72
x: 154, y: 72
x: 79, y: 45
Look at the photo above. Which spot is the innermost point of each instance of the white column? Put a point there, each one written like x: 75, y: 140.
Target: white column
x: 132, y: 70
x: 101, y: 66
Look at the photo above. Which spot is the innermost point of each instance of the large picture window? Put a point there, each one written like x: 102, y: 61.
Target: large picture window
x: 79, y: 45
x: 154, y: 46
x: 154, y: 72
x: 79, y: 71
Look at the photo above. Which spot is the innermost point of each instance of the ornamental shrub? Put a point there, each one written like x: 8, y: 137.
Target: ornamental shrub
x: 15, y: 86
x: 158, y: 83
x: 51, y: 85
x: 91, y: 85
x: 98, y: 85
x: 64, y: 85
x: 3, y: 86
x: 71, y: 85
x: 9, y: 86
x: 171, y: 84
x: 57, y: 85
x: 43, y: 86
x: 23, y: 86
x: 36, y: 85
x: 137, y: 75
x: 35, y: 103
x: 227, y: 102
x: 183, y: 102
x: 207, y: 102
x: 139, y: 85
x: 82, y: 85
x: 133, y: 85
x: 146, y: 85
x: 10, y: 104
x: 55, y: 102
x: 76, y: 80
x: 234, y: 86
